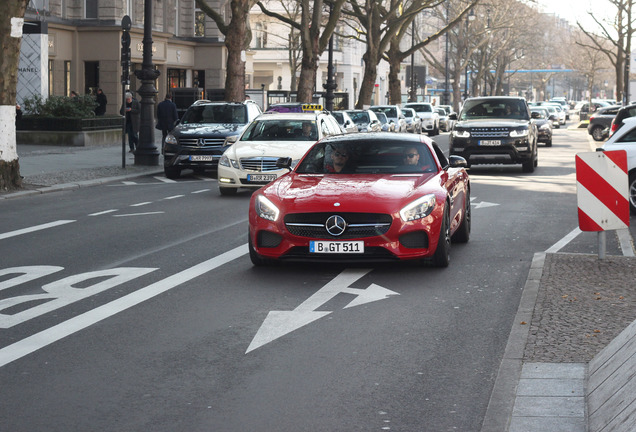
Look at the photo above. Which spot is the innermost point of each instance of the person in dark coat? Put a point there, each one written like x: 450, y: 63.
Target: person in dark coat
x: 166, y: 116
x: 101, y: 100
x: 132, y: 112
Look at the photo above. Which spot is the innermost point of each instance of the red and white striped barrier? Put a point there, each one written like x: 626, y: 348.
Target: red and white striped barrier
x: 601, y: 190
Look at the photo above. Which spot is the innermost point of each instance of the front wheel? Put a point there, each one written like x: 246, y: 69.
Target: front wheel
x: 462, y: 235
x: 441, y: 258
x: 172, y: 172
x: 256, y: 259
x: 227, y: 191
x: 632, y: 193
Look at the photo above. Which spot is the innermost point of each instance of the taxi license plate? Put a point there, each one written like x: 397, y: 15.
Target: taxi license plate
x: 490, y: 142
x: 261, y: 177
x: 320, y: 246
x: 201, y: 158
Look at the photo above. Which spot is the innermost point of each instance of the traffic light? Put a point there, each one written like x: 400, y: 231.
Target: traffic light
x: 125, y: 57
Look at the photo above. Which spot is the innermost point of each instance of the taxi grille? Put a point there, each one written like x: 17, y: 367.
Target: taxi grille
x: 490, y: 132
x: 259, y: 164
x: 202, y: 142
x: 359, y: 225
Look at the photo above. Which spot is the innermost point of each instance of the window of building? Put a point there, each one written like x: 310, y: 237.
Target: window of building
x: 260, y: 38
x: 91, y: 77
x: 176, y: 18
x: 176, y: 78
x: 51, y: 81
x: 199, y: 23
x: 67, y: 77
x: 91, y: 9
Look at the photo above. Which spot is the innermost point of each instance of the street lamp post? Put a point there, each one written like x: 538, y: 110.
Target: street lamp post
x: 146, y: 152
x: 469, y: 18
x: 331, y: 85
x: 446, y: 78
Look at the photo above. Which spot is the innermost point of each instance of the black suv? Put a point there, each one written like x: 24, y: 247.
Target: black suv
x: 200, y: 137
x: 495, y: 130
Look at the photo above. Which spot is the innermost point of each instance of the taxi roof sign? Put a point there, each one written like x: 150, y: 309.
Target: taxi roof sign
x: 312, y: 107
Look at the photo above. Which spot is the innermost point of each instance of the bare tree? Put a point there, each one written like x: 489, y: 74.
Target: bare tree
x: 619, y: 33
x: 10, y: 40
x: 237, y: 38
x: 314, y: 37
x: 395, y: 56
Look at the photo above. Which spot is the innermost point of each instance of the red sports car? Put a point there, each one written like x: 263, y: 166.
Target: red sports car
x: 365, y: 196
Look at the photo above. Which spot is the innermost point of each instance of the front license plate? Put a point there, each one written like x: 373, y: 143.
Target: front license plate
x: 321, y: 246
x: 201, y: 158
x: 261, y: 177
x: 490, y: 142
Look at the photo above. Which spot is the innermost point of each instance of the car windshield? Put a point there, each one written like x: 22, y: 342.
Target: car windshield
x: 542, y: 113
x: 482, y: 109
x: 221, y: 113
x: 281, y: 130
x: 368, y: 157
x: 359, y: 117
x: 421, y: 107
x: 407, y: 113
x: 382, y: 118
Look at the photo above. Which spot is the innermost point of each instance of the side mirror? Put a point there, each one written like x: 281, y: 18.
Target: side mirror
x: 452, y: 116
x: 231, y: 139
x: 284, y: 162
x: 535, y: 115
x: 455, y: 161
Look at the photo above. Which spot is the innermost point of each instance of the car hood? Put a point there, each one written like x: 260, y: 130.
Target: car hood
x: 208, y: 129
x: 491, y: 123
x: 248, y: 149
x: 346, y: 193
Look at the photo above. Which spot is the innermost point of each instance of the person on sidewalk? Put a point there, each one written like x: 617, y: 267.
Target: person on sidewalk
x: 166, y: 116
x: 132, y: 113
x: 101, y: 100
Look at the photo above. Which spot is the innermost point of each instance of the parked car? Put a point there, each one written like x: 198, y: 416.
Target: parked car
x: 543, y: 121
x: 430, y: 118
x: 485, y: 134
x: 200, y: 137
x: 444, y: 121
x: 356, y: 197
x: 625, y: 139
x: 251, y: 161
x: 450, y: 123
x: 601, y: 121
x: 387, y: 126
x: 621, y: 115
x: 394, y: 114
x: 413, y: 121
x: 345, y: 121
x: 365, y: 120
x: 554, y: 115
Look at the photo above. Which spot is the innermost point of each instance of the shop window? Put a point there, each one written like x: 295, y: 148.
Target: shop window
x: 176, y: 78
x: 198, y: 78
x: 91, y: 77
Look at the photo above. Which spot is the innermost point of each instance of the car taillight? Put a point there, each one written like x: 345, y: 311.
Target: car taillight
x: 613, y: 128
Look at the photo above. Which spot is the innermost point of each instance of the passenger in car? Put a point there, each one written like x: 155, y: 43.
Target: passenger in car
x: 340, y: 161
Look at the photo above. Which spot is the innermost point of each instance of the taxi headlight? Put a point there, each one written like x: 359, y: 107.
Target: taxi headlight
x: 227, y: 162
x: 418, y: 209
x: 266, y: 209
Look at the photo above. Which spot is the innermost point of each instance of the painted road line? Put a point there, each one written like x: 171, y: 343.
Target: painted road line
x: 139, y: 214
x: 53, y: 334
x: 34, y: 228
x: 103, y: 212
x: 564, y: 241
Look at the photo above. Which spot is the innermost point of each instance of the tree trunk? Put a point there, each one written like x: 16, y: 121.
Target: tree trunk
x: 395, y: 85
x: 368, y: 80
x: 10, y: 39
x: 235, y: 42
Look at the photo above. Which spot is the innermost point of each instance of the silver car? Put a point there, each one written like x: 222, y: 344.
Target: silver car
x: 394, y: 114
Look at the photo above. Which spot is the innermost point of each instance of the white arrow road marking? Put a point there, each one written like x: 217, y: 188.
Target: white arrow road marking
x: 279, y: 323
x: 484, y: 204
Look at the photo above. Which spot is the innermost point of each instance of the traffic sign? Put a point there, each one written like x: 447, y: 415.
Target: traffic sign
x: 601, y: 190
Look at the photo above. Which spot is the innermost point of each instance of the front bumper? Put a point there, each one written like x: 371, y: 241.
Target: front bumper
x: 509, y: 151
x: 238, y: 178
x: 187, y: 157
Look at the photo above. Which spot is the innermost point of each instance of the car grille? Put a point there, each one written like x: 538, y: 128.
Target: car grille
x: 259, y: 164
x: 202, y: 142
x: 359, y: 225
x: 490, y: 132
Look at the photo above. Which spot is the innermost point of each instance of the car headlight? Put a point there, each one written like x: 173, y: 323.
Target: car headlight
x: 227, y: 162
x: 170, y: 139
x: 418, y: 209
x: 516, y: 133
x: 266, y: 209
x: 461, y: 133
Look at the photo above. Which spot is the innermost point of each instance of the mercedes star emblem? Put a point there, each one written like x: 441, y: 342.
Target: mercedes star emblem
x: 335, y: 225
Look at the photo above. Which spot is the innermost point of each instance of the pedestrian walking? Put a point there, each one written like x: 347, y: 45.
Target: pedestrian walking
x: 132, y: 112
x: 166, y: 116
x: 101, y: 100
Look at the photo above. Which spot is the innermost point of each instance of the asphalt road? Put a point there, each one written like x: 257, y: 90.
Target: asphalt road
x: 133, y: 306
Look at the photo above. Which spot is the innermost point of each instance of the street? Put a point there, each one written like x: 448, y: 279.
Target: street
x: 134, y: 306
